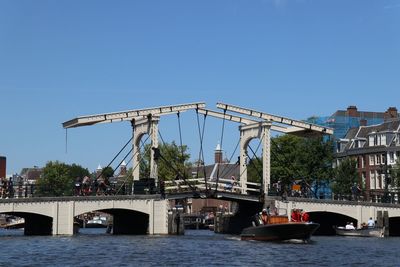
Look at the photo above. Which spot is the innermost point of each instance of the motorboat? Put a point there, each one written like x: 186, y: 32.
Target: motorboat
x: 362, y: 232
x: 279, y: 228
x: 97, y: 222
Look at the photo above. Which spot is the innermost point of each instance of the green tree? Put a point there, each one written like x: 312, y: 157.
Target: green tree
x: 107, y: 172
x: 395, y: 175
x: 58, y: 179
x: 285, y: 159
x: 78, y: 171
x: 345, y: 177
x: 174, y: 160
x: 296, y: 159
x: 315, y: 161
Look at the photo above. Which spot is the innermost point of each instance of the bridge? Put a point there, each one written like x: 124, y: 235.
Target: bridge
x: 141, y: 214
x: 55, y: 215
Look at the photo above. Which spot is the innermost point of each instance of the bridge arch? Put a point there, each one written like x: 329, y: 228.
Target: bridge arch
x: 35, y: 223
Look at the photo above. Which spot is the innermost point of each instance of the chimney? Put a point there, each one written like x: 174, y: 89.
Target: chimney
x: 122, y: 170
x: 218, y: 154
x: 391, y: 113
x: 363, y: 122
x: 352, y: 111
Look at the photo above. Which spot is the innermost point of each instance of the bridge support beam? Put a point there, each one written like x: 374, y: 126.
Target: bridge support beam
x: 259, y: 130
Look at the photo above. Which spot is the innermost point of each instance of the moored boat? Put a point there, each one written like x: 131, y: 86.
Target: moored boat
x: 279, y: 228
x: 97, y: 222
x: 363, y: 232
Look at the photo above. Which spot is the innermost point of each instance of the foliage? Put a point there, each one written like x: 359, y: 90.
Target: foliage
x: 78, y: 171
x: 58, y: 179
x: 285, y: 155
x: 295, y: 159
x: 316, y: 161
x: 107, y: 172
x: 395, y: 174
x: 345, y: 176
x: 173, y: 161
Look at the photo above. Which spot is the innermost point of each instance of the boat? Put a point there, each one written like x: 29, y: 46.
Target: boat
x: 97, y: 222
x: 363, y: 232
x: 15, y: 224
x: 279, y: 228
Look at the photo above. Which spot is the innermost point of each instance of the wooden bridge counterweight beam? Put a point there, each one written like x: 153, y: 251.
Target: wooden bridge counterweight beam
x: 300, y: 125
x: 129, y: 115
x: 239, y: 119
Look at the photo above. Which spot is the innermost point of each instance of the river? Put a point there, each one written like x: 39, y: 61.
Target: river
x: 92, y: 247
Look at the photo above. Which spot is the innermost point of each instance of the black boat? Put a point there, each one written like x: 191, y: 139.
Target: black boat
x: 279, y: 228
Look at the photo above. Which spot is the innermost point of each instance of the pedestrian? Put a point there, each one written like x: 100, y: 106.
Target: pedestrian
x: 371, y: 223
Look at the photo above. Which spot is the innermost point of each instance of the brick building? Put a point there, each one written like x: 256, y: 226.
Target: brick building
x: 3, y: 164
x: 375, y: 148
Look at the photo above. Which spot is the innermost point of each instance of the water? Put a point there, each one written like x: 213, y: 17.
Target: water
x: 197, y: 248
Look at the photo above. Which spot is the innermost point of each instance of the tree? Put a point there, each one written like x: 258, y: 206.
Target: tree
x: 301, y: 160
x: 78, y: 171
x: 316, y: 161
x: 58, y: 179
x: 345, y: 177
x: 285, y: 155
x: 395, y: 175
x: 107, y: 172
x: 173, y: 161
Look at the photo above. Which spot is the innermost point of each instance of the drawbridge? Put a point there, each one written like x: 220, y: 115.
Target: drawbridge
x: 253, y: 124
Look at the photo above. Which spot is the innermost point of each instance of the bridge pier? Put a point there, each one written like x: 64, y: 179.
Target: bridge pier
x: 63, y: 218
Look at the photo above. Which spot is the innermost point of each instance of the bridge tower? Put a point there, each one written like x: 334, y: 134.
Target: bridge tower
x: 140, y: 128
x: 260, y: 130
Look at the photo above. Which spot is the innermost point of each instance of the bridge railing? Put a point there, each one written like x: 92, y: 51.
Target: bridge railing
x: 223, y: 185
x: 170, y: 186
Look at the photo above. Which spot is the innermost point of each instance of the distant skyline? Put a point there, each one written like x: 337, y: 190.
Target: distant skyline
x: 294, y: 58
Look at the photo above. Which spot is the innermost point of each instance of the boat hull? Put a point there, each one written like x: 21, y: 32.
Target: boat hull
x: 369, y: 232
x: 283, y: 231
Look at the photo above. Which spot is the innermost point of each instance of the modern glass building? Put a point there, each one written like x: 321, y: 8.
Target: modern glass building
x: 343, y: 120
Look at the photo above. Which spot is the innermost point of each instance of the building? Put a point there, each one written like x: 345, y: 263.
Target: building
x: 220, y: 170
x: 376, y: 149
x: 343, y: 120
x: 31, y: 175
x: 3, y: 164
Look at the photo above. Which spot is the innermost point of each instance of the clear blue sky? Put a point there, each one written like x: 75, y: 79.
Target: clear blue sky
x: 296, y: 58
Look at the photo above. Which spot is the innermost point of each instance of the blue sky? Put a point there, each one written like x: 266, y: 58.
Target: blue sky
x: 295, y: 58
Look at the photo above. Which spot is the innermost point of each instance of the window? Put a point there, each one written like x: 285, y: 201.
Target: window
x: 372, y: 180
x: 378, y: 159
x: 362, y: 161
x: 371, y: 160
x: 391, y: 157
x: 371, y: 140
x: 383, y: 140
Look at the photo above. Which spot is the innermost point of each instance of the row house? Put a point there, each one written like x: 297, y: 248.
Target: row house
x: 376, y: 148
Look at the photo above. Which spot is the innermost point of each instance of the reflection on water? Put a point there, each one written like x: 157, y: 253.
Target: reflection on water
x: 93, y: 247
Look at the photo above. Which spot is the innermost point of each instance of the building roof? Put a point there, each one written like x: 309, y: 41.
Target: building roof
x: 220, y: 170
x: 362, y: 133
